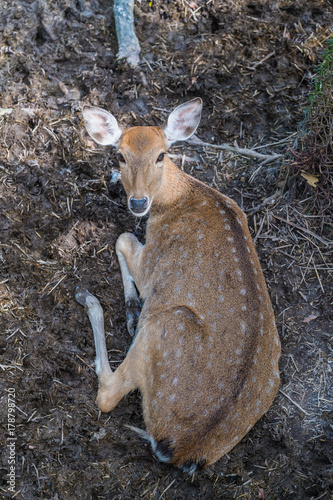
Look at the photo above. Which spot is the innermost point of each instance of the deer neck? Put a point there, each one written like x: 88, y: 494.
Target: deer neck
x: 173, y: 189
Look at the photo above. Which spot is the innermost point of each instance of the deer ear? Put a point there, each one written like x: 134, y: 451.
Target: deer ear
x: 183, y: 121
x: 101, y: 126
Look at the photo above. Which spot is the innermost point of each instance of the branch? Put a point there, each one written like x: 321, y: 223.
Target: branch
x: 128, y: 43
x: 307, y: 231
x: 195, y: 141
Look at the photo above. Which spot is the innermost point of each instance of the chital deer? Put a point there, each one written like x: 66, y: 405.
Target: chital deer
x: 205, y: 355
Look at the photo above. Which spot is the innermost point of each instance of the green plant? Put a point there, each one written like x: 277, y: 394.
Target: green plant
x: 313, y: 153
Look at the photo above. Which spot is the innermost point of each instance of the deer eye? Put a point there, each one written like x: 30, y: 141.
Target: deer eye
x: 120, y: 158
x: 160, y: 157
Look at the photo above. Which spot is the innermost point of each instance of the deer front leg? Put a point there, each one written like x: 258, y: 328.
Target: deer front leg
x: 112, y: 386
x: 128, y: 250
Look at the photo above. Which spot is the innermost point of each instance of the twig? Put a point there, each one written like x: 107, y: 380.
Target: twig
x: 267, y: 201
x: 255, y: 64
x: 55, y: 286
x: 260, y: 229
x: 268, y: 160
x: 286, y: 139
x: 321, y: 286
x: 30, y: 257
x: 195, y: 141
x: 294, y: 402
x: 307, y: 231
x: 166, y: 489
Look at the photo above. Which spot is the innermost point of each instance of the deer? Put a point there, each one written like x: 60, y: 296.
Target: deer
x: 206, y: 349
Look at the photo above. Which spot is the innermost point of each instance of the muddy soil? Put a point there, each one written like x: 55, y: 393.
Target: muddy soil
x: 60, y: 215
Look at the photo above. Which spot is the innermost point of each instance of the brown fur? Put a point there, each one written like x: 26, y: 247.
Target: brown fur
x: 206, y: 353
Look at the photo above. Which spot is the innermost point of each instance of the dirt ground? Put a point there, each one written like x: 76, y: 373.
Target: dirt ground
x: 60, y: 215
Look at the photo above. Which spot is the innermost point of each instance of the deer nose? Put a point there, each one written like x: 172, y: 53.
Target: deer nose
x: 138, y: 206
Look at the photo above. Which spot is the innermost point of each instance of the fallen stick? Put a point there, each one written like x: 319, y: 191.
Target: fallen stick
x: 307, y: 231
x: 128, y: 43
x: 294, y: 402
x: 195, y: 141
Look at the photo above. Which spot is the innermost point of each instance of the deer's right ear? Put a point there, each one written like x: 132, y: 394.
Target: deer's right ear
x: 101, y: 126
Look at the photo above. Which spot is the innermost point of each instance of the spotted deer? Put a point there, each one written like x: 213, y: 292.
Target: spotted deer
x: 206, y: 349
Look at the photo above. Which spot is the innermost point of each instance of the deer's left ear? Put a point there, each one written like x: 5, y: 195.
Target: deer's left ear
x: 101, y: 126
x: 183, y: 121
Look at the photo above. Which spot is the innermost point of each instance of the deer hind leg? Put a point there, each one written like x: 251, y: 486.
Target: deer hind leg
x: 112, y: 386
x: 128, y: 251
